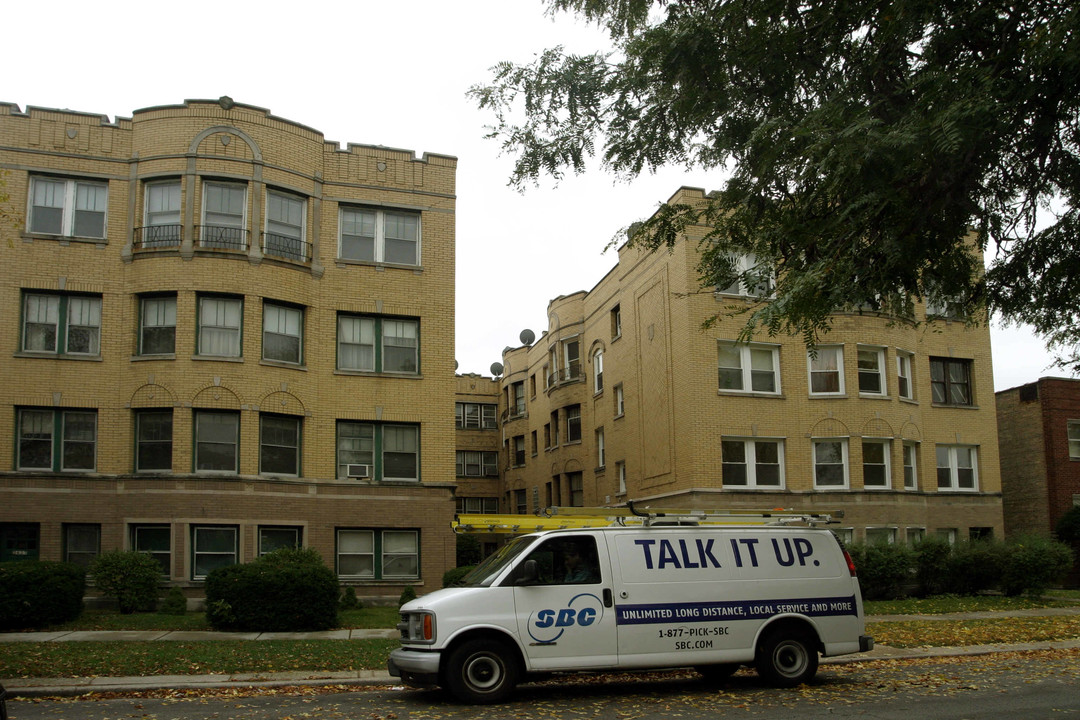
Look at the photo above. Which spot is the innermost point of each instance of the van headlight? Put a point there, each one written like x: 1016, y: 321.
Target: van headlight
x: 417, y: 627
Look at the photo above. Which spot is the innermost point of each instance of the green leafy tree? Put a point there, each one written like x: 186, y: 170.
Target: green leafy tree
x: 862, y: 147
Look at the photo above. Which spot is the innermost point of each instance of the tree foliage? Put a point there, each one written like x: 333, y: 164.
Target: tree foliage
x: 862, y: 146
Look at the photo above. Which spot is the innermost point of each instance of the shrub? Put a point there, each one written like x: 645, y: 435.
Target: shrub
x: 175, y: 603
x: 36, y: 593
x: 974, y: 566
x: 452, y: 577
x: 288, y: 590
x: 129, y: 576
x: 409, y: 593
x: 884, y: 569
x: 349, y: 601
x: 1067, y: 528
x: 932, y: 565
x: 1031, y: 564
x: 468, y: 550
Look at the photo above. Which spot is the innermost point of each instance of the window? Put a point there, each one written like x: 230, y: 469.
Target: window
x: 620, y: 472
x: 156, y: 541
x: 392, y: 450
x: 82, y: 543
x: 1073, y: 430
x: 519, y: 450
x: 285, y: 226
x: 956, y: 468
x: 880, y: 536
x: 161, y: 224
x: 477, y: 463
x: 620, y: 404
x: 950, y: 381
x: 616, y: 322
x: 748, y: 368
x: 573, y: 423
x: 276, y: 538
x: 283, y: 331
x: 474, y: 416
x: 949, y: 535
x: 378, y: 554
x: 153, y: 440
x: 554, y: 429
x: 217, y: 441
x: 378, y: 344
x: 224, y: 225
x: 517, y: 399
x: 752, y: 463
x: 72, y: 208
x: 212, y: 547
x: 532, y: 385
x: 905, y: 388
x: 826, y: 370
x: 911, y: 464
x: 478, y: 505
x: 915, y: 535
x: 520, y: 504
x: 220, y: 321
x: 830, y: 464
x: 157, y: 325
x: 600, y: 460
x: 944, y: 307
x: 876, y: 461
x: 871, y: 371
x: 279, y: 445
x: 76, y: 430
x: 61, y: 324
x: 385, y: 236
x: 598, y: 371
x: 749, y: 277
x: 577, y: 489
x: 571, y: 360
x: 535, y: 448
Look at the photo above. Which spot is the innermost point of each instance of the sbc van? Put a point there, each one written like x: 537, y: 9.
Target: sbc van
x: 712, y: 597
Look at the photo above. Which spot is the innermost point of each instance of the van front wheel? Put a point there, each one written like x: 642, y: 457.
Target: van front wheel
x: 787, y: 658
x: 481, y: 672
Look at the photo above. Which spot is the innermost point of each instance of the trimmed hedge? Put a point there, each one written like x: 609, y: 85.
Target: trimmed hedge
x: 1031, y: 564
x: 288, y: 590
x: 452, y: 577
x: 36, y: 594
x: 884, y: 570
x: 129, y: 576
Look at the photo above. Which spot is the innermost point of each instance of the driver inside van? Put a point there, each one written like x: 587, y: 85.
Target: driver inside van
x: 578, y: 567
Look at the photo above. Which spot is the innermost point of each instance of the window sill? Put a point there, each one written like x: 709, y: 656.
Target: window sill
x: 372, y: 373
x: 162, y: 356
x: 827, y: 396
x: 217, y: 358
x: 571, y: 442
x: 283, y: 364
x: 58, y: 356
x: 379, y: 266
x: 63, y: 239
x: 910, y: 401
x: 954, y: 407
x: 749, y: 393
x: 873, y: 396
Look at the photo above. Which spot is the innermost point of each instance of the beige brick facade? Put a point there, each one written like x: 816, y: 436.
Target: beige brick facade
x: 668, y: 426
x: 225, y: 228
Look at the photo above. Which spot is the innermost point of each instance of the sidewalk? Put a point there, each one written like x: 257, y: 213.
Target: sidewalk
x: 38, y: 687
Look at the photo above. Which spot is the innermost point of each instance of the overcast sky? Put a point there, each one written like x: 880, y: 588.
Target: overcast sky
x: 381, y: 73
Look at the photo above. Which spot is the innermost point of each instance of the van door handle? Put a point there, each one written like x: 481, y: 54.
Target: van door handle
x: 607, y: 597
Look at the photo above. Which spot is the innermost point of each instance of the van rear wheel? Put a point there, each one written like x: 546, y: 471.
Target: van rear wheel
x: 787, y: 658
x: 482, y: 671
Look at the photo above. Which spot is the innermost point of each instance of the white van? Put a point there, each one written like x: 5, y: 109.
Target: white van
x: 625, y: 598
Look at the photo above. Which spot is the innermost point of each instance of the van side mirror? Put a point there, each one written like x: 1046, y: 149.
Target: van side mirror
x: 529, y: 574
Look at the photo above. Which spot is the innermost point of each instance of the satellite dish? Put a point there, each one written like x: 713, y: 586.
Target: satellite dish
x: 527, y: 336
x: 496, y: 368
x: 455, y: 366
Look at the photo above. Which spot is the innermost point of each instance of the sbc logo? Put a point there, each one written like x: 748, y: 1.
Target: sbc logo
x: 583, y: 610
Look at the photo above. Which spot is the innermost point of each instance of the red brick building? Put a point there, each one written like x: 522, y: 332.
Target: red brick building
x: 1039, y: 442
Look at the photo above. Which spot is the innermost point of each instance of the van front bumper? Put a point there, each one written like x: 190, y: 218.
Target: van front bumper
x: 420, y: 669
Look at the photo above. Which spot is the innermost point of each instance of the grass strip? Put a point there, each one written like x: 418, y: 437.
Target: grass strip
x: 100, y: 619
x: 953, y: 633
x: 103, y: 659
x: 940, y: 604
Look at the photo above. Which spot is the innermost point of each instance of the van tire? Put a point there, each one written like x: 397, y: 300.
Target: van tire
x: 482, y: 671
x: 787, y: 658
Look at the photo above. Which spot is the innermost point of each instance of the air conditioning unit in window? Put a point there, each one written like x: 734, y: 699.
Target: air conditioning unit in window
x: 358, y: 471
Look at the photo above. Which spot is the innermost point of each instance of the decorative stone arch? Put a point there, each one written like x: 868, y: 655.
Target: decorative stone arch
x: 878, y: 428
x: 829, y: 428
x: 256, y: 153
x: 217, y: 396
x: 911, y: 432
x: 572, y: 465
x: 152, y: 395
x: 283, y: 402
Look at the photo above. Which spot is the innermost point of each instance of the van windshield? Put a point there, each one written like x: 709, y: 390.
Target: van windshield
x: 486, y: 572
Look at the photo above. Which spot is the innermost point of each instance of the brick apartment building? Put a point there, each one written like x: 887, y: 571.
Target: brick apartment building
x: 225, y: 334
x: 1039, y: 437
x: 625, y: 396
